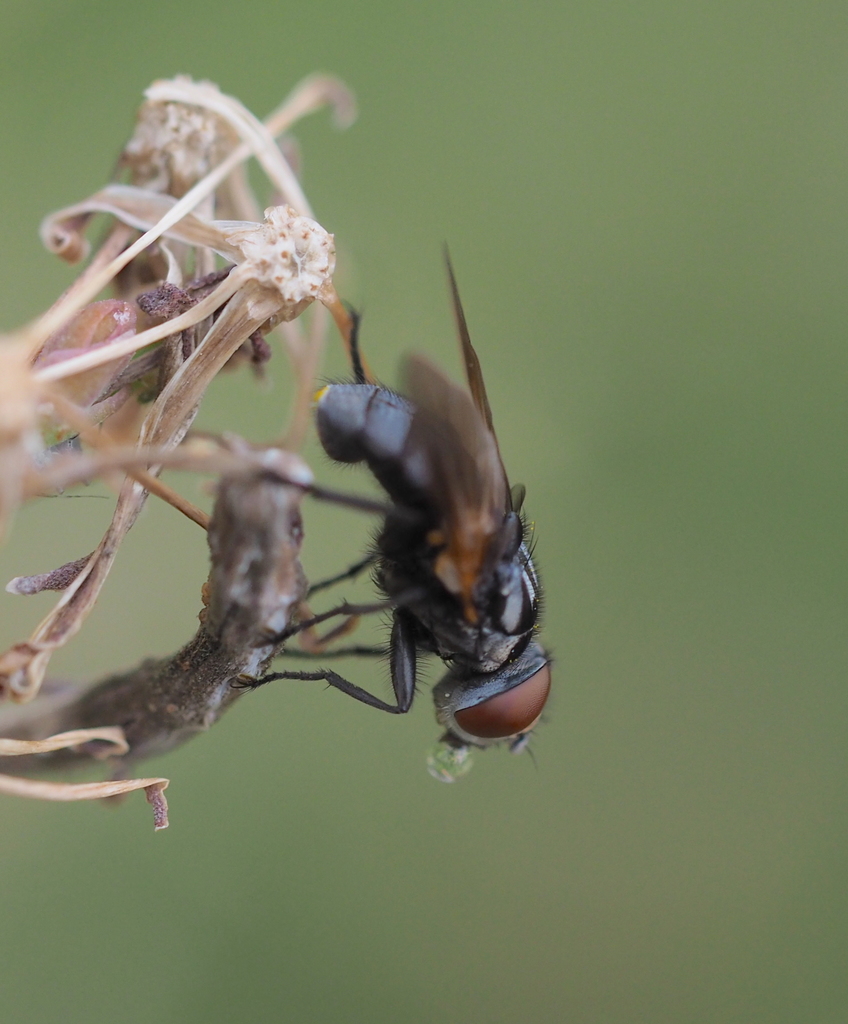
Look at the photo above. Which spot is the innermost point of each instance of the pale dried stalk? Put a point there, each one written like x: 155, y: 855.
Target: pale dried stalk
x: 305, y: 353
x: 19, y: 434
x: 76, y: 417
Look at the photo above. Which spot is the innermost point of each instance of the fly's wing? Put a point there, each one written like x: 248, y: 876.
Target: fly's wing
x: 473, y: 370
x: 466, y: 484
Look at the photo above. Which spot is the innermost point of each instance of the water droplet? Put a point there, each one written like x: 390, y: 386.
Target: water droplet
x: 448, y: 763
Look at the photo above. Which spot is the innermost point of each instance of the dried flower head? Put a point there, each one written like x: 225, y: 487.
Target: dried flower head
x: 175, y: 144
x: 292, y: 256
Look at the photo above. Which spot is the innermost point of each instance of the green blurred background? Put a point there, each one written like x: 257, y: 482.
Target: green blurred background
x: 646, y: 206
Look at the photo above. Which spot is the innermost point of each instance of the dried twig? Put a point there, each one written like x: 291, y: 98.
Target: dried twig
x: 254, y: 589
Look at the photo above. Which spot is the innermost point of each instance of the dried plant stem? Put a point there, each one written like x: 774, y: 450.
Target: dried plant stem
x: 95, y: 438
x: 305, y: 354
x: 255, y: 587
x: 155, y: 486
x: 159, y: 703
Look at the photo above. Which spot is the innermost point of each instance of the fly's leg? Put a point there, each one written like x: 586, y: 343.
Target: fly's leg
x: 355, y: 651
x: 359, y: 372
x: 350, y: 610
x: 345, y: 608
x: 349, y: 574
x: 403, y: 656
x: 311, y: 641
x: 314, y: 645
x: 333, y: 679
x: 402, y: 661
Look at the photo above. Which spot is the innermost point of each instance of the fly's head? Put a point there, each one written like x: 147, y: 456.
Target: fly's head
x: 482, y: 709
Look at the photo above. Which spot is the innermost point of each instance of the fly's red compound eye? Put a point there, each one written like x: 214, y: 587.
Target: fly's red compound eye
x: 509, y: 713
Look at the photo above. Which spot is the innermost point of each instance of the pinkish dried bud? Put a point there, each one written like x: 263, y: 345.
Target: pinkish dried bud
x: 95, y: 326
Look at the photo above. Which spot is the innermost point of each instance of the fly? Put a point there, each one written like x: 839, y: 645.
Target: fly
x: 452, y: 557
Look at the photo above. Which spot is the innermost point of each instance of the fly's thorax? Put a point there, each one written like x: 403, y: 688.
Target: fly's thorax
x: 505, y: 599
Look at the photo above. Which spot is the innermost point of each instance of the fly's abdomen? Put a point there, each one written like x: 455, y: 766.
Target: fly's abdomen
x: 362, y: 423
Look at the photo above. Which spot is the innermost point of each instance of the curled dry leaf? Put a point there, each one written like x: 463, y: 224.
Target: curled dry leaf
x: 63, y: 740
x: 114, y: 743
x: 56, y: 579
x: 38, y: 789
